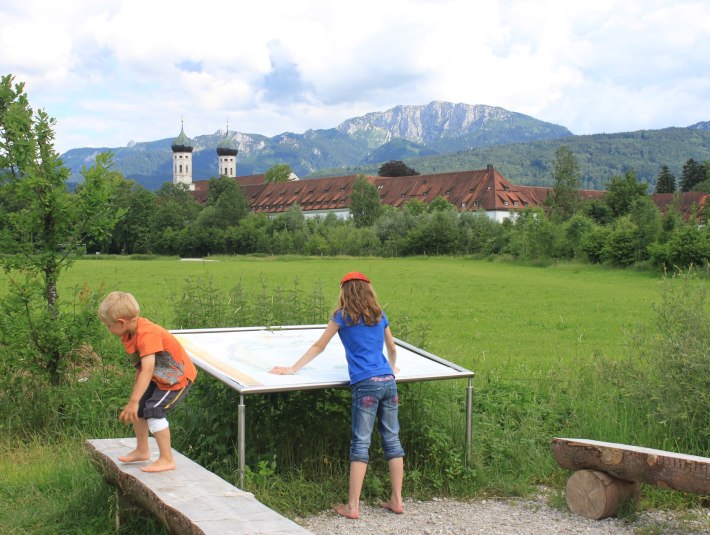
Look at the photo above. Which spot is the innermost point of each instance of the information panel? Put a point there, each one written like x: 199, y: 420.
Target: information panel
x: 242, y: 358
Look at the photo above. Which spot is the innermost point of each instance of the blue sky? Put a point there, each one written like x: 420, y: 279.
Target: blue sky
x: 114, y: 71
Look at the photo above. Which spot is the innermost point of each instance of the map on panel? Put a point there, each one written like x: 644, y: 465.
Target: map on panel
x: 245, y: 356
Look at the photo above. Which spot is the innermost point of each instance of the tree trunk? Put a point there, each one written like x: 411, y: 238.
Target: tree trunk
x: 596, y: 495
x: 687, y: 473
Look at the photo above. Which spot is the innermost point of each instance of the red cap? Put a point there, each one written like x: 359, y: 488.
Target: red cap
x: 353, y: 276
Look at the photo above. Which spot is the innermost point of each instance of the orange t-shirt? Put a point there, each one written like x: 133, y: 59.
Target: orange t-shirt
x: 173, y: 366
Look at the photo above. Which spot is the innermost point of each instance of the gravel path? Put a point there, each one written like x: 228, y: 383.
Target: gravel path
x: 497, y: 517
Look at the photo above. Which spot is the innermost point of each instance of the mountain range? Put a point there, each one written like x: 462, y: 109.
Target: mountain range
x: 436, y: 137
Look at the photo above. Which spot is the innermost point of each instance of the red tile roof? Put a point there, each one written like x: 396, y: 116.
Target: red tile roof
x: 482, y: 189
x: 685, y: 202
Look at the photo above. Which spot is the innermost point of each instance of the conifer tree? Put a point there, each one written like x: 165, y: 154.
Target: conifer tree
x: 665, y: 182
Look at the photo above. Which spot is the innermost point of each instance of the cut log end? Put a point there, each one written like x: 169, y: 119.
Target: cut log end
x: 596, y: 495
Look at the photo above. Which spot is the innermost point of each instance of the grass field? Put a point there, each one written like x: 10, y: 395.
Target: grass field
x: 531, y: 334
x: 482, y: 315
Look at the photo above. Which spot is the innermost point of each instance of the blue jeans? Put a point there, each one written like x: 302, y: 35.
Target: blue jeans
x: 372, y: 398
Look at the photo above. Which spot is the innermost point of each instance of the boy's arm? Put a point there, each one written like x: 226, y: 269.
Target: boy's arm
x: 391, y: 350
x: 140, y: 385
x: 313, y: 351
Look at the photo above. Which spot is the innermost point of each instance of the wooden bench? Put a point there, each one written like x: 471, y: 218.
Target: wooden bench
x: 188, y: 500
x: 608, y: 474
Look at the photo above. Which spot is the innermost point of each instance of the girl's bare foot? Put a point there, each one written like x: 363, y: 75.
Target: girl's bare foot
x: 397, y: 509
x: 161, y: 465
x: 348, y: 512
x: 135, y: 456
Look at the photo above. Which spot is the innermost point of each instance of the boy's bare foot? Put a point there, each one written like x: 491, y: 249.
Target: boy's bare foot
x: 397, y: 509
x: 135, y: 456
x: 161, y: 465
x: 345, y: 510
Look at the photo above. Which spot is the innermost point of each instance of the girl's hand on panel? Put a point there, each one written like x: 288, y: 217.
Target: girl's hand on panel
x: 282, y: 370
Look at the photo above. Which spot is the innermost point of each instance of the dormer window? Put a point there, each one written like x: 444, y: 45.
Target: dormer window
x: 505, y: 203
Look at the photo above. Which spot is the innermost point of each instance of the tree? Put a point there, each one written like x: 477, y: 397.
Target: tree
x: 45, y: 226
x: 132, y: 233
x: 665, y: 182
x: 227, y: 205
x: 621, y: 191
x: 564, y: 198
x: 177, y: 208
x: 693, y: 173
x: 365, y: 204
x: 278, y: 173
x: 704, y: 185
x: 439, y: 204
x: 396, y: 168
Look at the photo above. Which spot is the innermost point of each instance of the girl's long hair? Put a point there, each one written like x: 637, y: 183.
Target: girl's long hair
x: 357, y: 301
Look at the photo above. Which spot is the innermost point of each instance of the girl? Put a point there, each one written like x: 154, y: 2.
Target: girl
x: 364, y: 330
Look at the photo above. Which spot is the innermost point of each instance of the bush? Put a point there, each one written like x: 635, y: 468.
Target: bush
x: 665, y: 382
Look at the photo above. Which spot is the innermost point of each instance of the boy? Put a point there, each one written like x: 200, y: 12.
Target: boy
x: 164, y: 373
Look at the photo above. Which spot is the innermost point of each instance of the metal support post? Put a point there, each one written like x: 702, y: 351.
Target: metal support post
x: 241, y: 412
x: 469, y: 412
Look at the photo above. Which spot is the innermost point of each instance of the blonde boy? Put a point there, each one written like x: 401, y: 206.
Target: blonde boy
x: 164, y: 373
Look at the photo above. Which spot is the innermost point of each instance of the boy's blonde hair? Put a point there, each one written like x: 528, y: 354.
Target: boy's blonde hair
x: 118, y: 305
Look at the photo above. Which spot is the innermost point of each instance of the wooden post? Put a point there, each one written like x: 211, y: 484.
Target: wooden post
x: 594, y: 494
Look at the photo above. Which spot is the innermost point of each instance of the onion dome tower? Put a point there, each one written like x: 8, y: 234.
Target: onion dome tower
x: 227, y: 156
x: 182, y: 159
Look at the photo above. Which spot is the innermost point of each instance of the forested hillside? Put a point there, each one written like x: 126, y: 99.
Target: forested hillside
x: 600, y: 157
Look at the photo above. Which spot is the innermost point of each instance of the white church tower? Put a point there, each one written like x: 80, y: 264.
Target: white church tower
x: 182, y: 159
x: 227, y: 156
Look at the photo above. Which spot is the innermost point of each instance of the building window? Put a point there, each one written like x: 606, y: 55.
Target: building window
x: 380, y: 186
x: 448, y: 192
x: 475, y: 203
x: 180, y: 168
x: 402, y: 195
x: 515, y: 203
x: 505, y: 203
x: 463, y: 205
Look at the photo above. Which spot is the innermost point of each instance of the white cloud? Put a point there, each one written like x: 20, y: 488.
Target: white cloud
x: 120, y: 70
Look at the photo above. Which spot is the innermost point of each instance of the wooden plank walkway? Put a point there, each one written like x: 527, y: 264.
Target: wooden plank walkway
x: 188, y: 500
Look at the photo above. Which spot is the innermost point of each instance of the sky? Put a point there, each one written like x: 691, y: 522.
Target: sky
x: 115, y: 71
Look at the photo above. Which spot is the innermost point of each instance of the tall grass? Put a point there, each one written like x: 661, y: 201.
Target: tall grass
x: 540, y: 340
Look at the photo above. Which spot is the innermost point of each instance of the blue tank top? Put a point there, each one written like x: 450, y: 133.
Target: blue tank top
x: 364, y: 346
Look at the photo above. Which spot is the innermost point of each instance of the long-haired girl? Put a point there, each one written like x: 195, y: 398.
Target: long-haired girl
x: 364, y: 331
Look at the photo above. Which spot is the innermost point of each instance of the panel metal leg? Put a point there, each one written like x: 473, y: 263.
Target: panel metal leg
x: 241, y: 413
x: 469, y: 412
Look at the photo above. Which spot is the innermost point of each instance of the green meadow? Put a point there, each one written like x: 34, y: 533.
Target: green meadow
x: 487, y: 316
x: 542, y: 341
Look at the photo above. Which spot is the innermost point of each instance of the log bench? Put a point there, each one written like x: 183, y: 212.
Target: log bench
x: 188, y: 500
x: 608, y: 474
